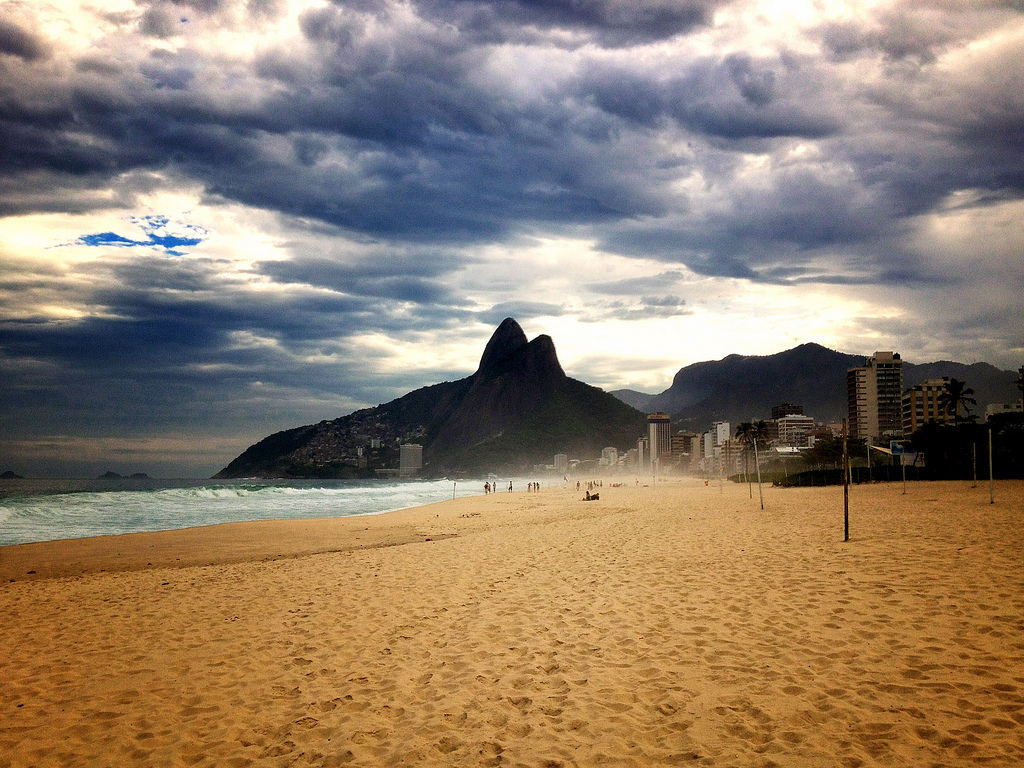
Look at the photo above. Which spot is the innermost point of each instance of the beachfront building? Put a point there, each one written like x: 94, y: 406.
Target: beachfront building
x: 659, y: 436
x: 707, y: 445
x: 712, y: 443
x: 921, y: 404
x: 794, y: 430
x: 715, y: 438
x: 410, y: 459
x: 994, y: 409
x: 629, y: 459
x: 562, y: 462
x: 686, y: 450
x: 610, y: 457
x: 731, y: 457
x: 786, y: 409
x: 874, y: 396
x: 722, y: 431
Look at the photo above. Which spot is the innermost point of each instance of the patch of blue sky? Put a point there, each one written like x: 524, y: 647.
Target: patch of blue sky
x: 105, y: 238
x: 158, y: 234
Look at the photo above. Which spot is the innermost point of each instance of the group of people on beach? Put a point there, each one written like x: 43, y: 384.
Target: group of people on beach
x: 493, y: 487
x: 591, y: 485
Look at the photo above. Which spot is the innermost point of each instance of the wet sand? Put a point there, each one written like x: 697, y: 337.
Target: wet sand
x: 676, y: 625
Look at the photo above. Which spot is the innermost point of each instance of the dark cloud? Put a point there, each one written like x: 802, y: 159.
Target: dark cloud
x: 16, y: 41
x: 735, y: 97
x: 915, y: 33
x: 408, y: 279
x: 739, y: 97
x: 770, y: 228
x: 612, y: 23
x: 160, y: 21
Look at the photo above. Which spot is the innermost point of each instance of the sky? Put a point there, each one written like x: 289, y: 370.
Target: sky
x: 224, y: 218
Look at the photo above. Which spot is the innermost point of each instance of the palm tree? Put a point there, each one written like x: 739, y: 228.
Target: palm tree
x: 761, y: 432
x: 957, y: 394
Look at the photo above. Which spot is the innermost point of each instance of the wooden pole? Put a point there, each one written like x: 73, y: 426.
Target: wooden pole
x: 746, y: 466
x: 846, y: 488
x: 757, y: 466
x: 991, y: 476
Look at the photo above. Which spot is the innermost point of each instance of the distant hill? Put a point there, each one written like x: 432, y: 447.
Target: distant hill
x: 517, y: 410
x: 639, y: 400
x: 741, y: 387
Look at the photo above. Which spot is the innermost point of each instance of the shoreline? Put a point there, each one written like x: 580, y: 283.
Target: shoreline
x: 207, y: 545
x: 181, y: 505
x: 286, y: 538
x: 221, y: 543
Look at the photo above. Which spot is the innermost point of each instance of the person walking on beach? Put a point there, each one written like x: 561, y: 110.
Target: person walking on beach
x: 510, y: 486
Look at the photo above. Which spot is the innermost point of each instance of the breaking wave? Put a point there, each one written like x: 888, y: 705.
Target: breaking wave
x: 48, y: 510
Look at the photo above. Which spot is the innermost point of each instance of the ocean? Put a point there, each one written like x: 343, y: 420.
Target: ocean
x: 45, y: 510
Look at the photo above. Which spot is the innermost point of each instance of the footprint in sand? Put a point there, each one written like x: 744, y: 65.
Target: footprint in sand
x: 448, y: 744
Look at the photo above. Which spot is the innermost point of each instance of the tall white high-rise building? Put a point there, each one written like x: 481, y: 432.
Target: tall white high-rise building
x: 610, y: 457
x: 410, y: 459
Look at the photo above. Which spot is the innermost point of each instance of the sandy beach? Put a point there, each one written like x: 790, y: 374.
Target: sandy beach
x: 672, y: 625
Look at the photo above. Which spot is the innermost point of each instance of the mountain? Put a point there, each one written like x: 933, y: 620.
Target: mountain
x: 990, y: 384
x: 518, y: 409
x: 742, y: 387
x: 639, y: 400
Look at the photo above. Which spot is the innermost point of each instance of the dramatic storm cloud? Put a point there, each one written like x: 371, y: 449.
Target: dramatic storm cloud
x: 221, y: 218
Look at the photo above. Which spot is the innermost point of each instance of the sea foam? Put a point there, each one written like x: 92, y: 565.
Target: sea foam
x: 39, y: 511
